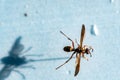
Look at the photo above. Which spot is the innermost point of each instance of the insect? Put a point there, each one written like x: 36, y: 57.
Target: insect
x: 80, y: 51
x: 15, y: 60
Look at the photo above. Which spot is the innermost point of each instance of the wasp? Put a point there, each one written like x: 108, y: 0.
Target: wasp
x: 15, y: 59
x: 80, y: 51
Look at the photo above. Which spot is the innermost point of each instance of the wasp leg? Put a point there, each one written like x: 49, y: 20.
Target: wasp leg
x: 76, y: 42
x: 90, y: 54
x: 84, y: 56
x: 68, y: 38
x: 66, y: 61
x: 90, y: 48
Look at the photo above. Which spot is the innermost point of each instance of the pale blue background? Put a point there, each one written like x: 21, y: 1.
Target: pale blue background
x: 40, y: 29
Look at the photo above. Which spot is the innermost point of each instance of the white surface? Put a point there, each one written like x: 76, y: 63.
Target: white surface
x: 40, y: 29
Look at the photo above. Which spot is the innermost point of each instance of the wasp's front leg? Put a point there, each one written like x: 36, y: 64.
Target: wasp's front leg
x: 82, y: 54
x: 90, y: 48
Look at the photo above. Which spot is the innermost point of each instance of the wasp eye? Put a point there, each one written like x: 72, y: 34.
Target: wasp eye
x: 67, y: 48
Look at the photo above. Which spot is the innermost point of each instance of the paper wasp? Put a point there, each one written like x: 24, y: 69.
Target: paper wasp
x: 80, y: 51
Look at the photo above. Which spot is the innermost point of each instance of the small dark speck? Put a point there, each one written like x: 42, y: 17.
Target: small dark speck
x: 25, y: 14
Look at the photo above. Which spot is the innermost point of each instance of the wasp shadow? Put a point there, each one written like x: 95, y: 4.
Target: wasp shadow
x: 50, y: 59
x: 14, y: 60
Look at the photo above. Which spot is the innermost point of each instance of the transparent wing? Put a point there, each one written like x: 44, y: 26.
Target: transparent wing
x: 82, y: 35
x: 77, y: 67
x: 5, y: 72
x: 17, y: 48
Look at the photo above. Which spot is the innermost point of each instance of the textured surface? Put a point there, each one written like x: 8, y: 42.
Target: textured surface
x: 40, y: 29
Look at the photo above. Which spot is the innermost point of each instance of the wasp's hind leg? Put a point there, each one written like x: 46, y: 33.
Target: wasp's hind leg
x: 66, y: 61
x: 68, y: 38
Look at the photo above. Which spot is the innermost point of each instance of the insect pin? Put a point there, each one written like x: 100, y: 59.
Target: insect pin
x: 80, y: 51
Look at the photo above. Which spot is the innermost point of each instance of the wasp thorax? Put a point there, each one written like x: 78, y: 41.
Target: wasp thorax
x: 68, y: 48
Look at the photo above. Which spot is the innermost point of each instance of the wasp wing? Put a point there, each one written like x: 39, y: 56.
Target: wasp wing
x: 17, y: 48
x: 5, y: 72
x: 82, y: 35
x: 77, y: 67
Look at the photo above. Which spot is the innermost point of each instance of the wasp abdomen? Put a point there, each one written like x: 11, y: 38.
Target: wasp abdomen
x: 68, y: 48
